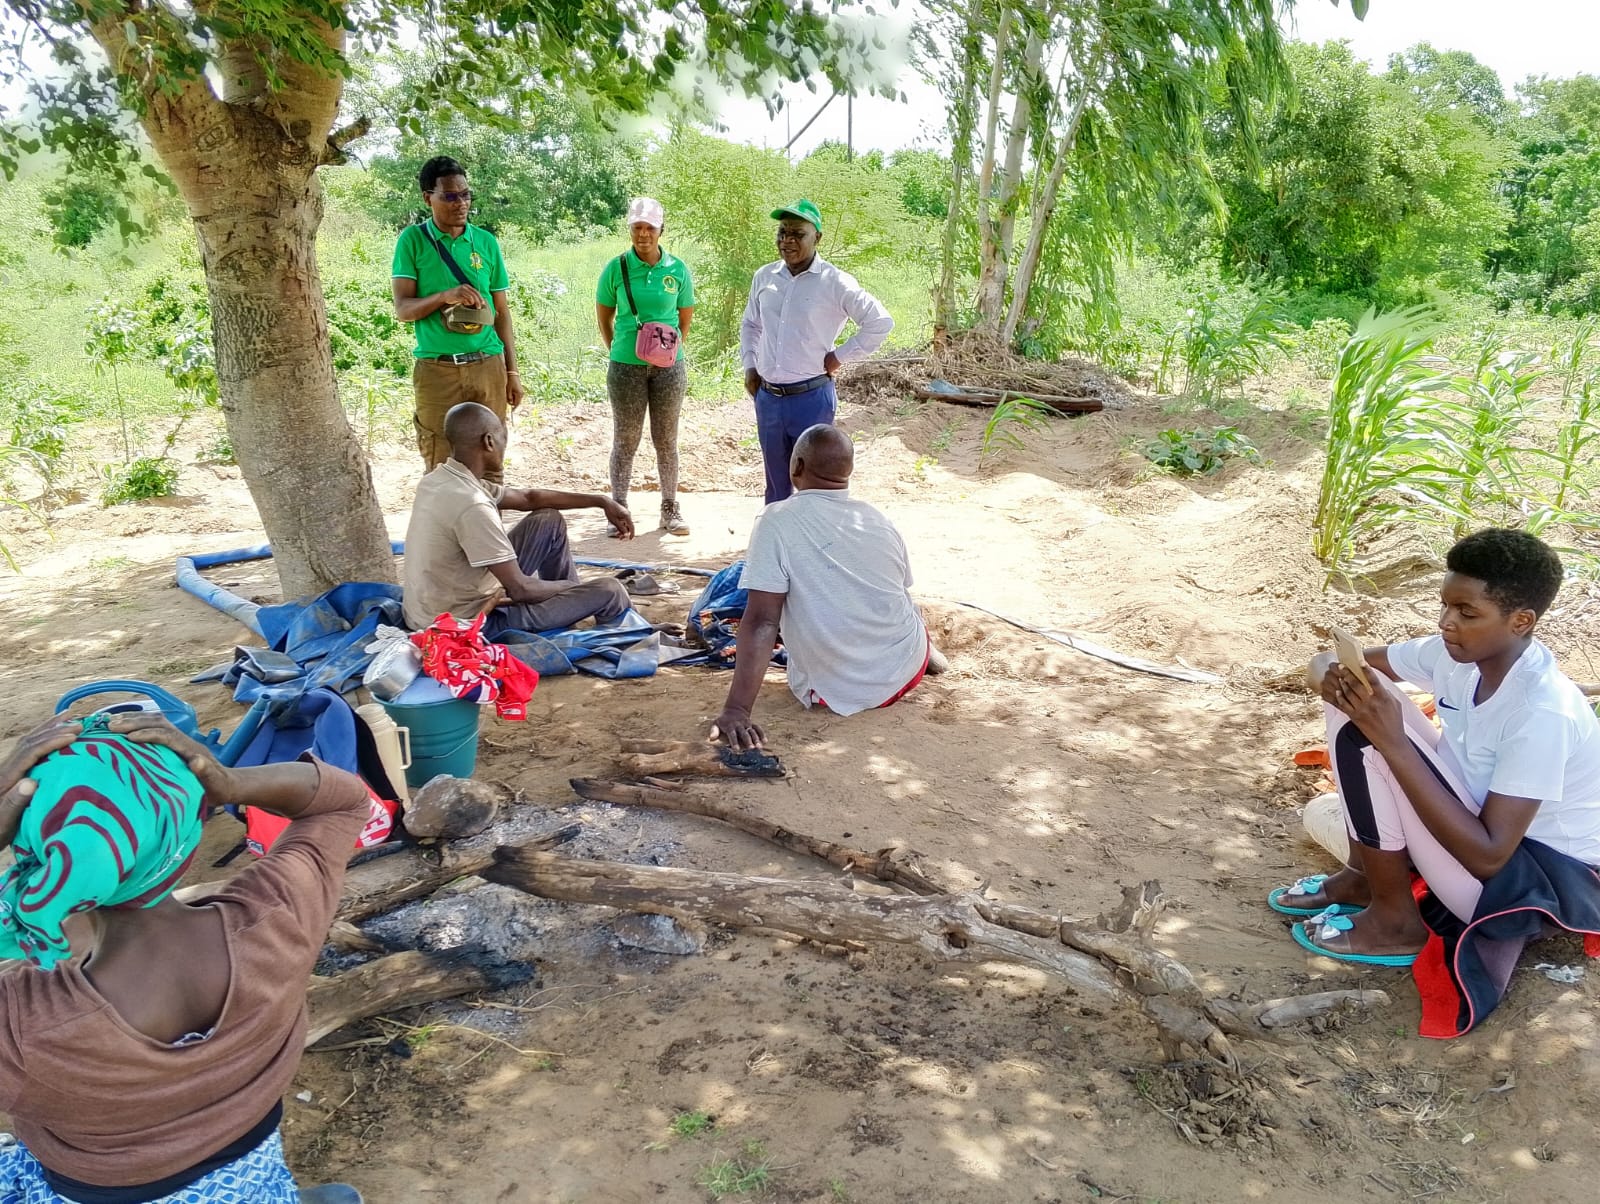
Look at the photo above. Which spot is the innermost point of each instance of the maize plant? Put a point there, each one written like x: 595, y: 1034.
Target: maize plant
x: 1491, y: 410
x: 1392, y: 454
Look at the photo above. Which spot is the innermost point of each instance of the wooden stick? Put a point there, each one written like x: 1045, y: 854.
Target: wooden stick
x: 397, y: 981
x: 1129, y: 953
x: 946, y: 926
x: 880, y: 865
x: 646, y: 758
x: 347, y: 938
x: 1248, y: 1019
x: 378, y: 886
x: 1118, y: 939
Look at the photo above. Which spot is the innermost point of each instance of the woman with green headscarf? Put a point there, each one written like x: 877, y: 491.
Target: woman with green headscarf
x: 146, y: 1043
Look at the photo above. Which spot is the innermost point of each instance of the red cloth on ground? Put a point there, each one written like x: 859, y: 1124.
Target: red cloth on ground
x: 455, y: 653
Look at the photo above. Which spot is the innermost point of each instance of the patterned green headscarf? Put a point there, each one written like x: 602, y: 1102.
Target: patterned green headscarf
x: 112, y: 824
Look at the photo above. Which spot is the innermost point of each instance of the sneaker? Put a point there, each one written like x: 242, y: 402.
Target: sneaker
x: 672, y: 519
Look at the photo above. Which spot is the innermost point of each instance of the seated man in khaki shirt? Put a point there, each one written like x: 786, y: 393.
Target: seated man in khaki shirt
x: 460, y: 559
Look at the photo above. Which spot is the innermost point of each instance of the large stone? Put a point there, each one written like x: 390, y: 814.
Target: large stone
x: 450, y: 808
x: 659, y: 934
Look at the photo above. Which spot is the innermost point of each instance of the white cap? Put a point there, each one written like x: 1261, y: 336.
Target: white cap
x: 646, y: 209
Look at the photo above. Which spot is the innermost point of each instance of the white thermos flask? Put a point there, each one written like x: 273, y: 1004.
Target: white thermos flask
x: 394, y: 745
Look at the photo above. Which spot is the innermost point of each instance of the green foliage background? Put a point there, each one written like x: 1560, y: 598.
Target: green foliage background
x: 1419, y: 183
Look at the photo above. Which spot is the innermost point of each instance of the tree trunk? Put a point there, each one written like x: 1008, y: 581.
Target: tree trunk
x: 304, y: 465
x: 1016, y: 144
x: 948, y: 927
x: 1044, y: 208
x: 245, y: 166
x: 990, y: 299
x: 961, y: 163
x: 401, y: 980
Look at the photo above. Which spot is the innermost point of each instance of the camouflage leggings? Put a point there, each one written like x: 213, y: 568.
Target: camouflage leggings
x: 636, y: 389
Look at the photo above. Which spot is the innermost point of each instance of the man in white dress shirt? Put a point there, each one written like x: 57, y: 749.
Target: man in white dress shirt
x: 798, y: 306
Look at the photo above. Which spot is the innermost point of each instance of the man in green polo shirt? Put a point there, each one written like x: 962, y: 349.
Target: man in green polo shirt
x: 477, y: 361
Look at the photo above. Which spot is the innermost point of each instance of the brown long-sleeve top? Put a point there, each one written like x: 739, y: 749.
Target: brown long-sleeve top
x: 96, y: 1100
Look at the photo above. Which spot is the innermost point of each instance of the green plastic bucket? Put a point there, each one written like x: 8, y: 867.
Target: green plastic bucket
x: 443, y: 737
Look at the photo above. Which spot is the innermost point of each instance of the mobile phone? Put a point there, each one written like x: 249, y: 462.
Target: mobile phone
x: 1349, y: 653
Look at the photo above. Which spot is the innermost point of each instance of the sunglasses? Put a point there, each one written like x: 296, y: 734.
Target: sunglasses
x: 452, y: 198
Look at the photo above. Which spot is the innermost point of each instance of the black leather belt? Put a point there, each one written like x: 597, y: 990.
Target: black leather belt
x: 470, y: 357
x: 798, y: 386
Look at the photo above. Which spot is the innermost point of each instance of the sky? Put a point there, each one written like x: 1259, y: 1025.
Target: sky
x: 1518, y: 38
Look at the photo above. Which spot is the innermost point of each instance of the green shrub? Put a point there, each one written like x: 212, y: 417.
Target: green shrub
x: 1319, y: 346
x: 1223, y: 339
x: 41, y: 419
x: 219, y: 451
x: 363, y: 330
x: 1199, y: 452
x: 146, y: 477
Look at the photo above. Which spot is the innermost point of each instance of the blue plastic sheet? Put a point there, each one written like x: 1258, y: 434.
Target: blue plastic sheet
x: 714, y: 619
x: 328, y: 634
x: 629, y: 648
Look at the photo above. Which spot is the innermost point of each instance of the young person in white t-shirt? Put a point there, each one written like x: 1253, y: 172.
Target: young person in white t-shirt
x: 1518, y: 759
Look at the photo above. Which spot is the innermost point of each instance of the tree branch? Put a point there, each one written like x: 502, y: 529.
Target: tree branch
x: 190, y: 101
x: 335, y: 154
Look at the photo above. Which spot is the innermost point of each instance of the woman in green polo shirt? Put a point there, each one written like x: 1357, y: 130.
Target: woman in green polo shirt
x: 661, y: 291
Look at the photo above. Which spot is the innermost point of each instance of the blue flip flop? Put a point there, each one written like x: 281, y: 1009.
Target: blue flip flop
x: 1309, y: 885
x: 1342, y: 923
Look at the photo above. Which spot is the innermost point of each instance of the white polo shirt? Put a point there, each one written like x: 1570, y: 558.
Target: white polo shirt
x: 1537, y: 737
x: 854, y: 637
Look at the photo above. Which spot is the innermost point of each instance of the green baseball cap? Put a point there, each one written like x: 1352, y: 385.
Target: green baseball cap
x: 802, y: 209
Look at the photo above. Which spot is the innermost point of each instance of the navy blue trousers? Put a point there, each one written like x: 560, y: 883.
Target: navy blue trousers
x: 780, y: 421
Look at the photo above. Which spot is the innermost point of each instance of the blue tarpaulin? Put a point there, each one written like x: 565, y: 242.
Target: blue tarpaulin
x: 328, y: 635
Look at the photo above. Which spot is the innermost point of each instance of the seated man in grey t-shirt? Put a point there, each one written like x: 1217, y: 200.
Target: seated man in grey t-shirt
x: 833, y: 573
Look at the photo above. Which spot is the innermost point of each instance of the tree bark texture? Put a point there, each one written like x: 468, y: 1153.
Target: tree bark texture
x: 383, y: 884
x: 245, y: 166
x: 1011, y: 169
x: 1044, y: 208
x: 883, y: 865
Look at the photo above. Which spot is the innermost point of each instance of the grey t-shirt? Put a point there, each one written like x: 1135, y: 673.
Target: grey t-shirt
x: 854, y: 637
x: 454, y: 536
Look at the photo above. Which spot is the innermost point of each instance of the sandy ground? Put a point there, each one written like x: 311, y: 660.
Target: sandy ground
x: 1054, y: 777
